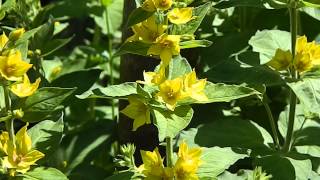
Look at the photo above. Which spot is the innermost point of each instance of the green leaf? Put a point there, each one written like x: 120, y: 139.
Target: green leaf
x: 83, y: 153
x: 138, y: 15
x: 114, y: 91
x: 178, y: 67
x: 267, y: 4
x: 226, y: 93
x: 134, y: 47
x: 230, y: 132
x: 42, y: 36
x: 43, y: 102
x: 294, y: 169
x: 240, y: 175
x: 54, y: 45
x: 313, y: 12
x: 195, y: 44
x: 47, y: 135
x: 44, y: 173
x: 191, y: 27
x: 213, y: 164
x: 121, y: 176
x: 108, y: 17
x: 311, y: 3
x: 308, y: 92
x: 232, y: 71
x: 305, y: 131
x: 71, y: 80
x: 283, y: 120
x: 6, y: 6
x: 268, y: 41
x: 170, y: 123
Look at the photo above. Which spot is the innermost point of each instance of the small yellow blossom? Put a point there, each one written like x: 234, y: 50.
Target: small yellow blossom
x: 148, y: 5
x: 165, y: 46
x: 154, y: 78
x: 20, y: 155
x: 153, y: 168
x: 137, y: 111
x: 3, y: 40
x: 4, y: 138
x: 307, y: 56
x: 16, y: 34
x: 281, y: 61
x: 171, y: 91
x: 147, y: 31
x: 180, y: 15
x: 12, y: 67
x: 188, y: 163
x: 194, y: 87
x: 153, y: 5
x: 25, y: 88
x: 163, y: 4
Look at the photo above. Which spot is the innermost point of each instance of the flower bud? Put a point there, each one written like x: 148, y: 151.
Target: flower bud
x: 16, y: 34
x: 18, y: 113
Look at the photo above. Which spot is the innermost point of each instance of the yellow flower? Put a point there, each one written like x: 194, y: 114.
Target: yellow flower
x: 166, y: 46
x: 154, y: 78
x: 281, y: 61
x: 20, y: 155
x: 147, y: 31
x: 308, y: 55
x: 137, y: 111
x: 171, y: 91
x: 153, y: 5
x: 188, y: 162
x: 12, y: 67
x: 148, y: 5
x: 180, y: 15
x: 3, y: 40
x: 25, y: 88
x: 16, y: 34
x: 4, y: 138
x: 194, y: 87
x: 153, y: 168
x: 163, y: 4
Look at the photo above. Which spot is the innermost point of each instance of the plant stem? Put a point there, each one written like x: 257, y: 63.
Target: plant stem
x: 272, y: 122
x: 8, y: 123
x: 294, y: 74
x: 110, y: 60
x: 169, y: 151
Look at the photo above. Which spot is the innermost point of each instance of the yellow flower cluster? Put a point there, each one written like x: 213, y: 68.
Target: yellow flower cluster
x: 13, y: 69
x: 185, y: 168
x: 188, y: 86
x: 151, y: 31
x: 170, y: 93
x: 18, y: 154
x: 307, y: 56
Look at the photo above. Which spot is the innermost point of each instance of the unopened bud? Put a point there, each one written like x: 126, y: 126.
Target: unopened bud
x: 16, y: 34
x: 18, y: 113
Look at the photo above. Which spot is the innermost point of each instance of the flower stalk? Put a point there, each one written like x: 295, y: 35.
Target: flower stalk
x: 294, y: 74
x: 9, y: 123
x: 169, y: 152
x: 272, y: 122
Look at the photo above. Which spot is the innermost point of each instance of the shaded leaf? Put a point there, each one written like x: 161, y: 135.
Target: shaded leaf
x: 170, y: 123
x: 43, y: 102
x: 44, y: 173
x: 114, y: 91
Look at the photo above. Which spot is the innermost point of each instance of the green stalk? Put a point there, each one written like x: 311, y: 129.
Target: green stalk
x: 293, y: 98
x: 169, y: 151
x: 8, y: 123
x: 272, y: 122
x: 110, y: 60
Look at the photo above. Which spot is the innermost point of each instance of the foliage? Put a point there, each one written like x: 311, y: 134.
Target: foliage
x: 159, y: 89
